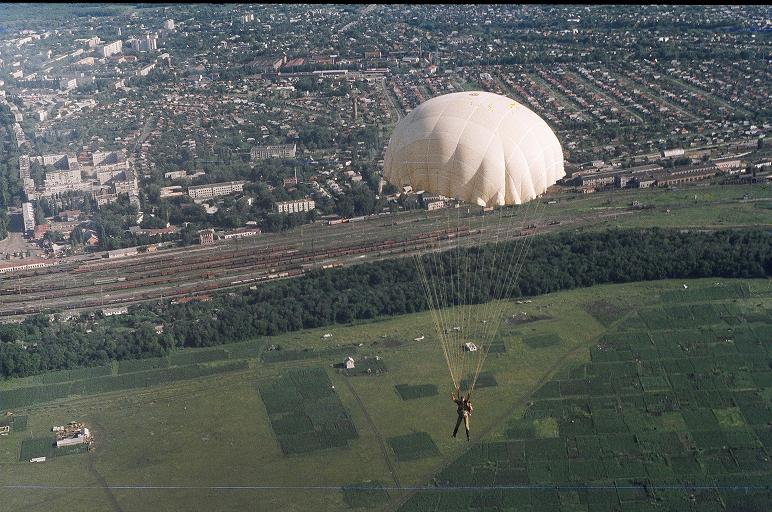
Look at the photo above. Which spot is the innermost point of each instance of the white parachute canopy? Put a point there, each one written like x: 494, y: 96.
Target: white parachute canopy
x: 479, y: 147
x: 494, y: 154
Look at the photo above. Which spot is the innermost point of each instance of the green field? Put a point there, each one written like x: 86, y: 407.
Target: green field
x: 591, y: 393
x: 701, y: 206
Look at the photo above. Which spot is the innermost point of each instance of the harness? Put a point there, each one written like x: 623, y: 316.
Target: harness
x: 463, y: 407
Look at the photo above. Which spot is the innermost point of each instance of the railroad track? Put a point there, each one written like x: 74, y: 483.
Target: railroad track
x: 85, y: 285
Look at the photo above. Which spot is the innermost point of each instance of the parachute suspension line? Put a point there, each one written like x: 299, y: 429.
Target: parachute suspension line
x: 437, y: 269
x: 434, y: 301
x: 438, y: 280
x: 433, y: 309
x: 448, y: 283
x: 459, y: 298
x: 469, y: 287
x: 512, y: 279
x: 486, y: 307
x: 483, y: 316
x: 501, y: 283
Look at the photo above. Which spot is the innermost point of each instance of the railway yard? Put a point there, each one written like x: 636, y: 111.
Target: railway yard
x: 93, y: 282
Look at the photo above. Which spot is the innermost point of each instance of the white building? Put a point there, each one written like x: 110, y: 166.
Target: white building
x: 241, y: 233
x: 150, y: 42
x: 215, y: 189
x: 275, y: 151
x: 28, y: 214
x: 25, y: 264
x: 120, y: 310
x: 80, y: 437
x: 173, y: 175
x: 349, y: 363
x: 146, y: 70
x: 297, y: 206
x: 672, y: 152
x: 111, y: 48
x: 169, y: 24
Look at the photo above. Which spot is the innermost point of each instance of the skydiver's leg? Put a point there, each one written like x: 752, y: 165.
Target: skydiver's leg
x: 466, y: 426
x: 458, y: 424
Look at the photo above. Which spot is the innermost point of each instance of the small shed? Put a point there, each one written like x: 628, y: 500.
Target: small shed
x: 470, y: 347
x: 348, y: 363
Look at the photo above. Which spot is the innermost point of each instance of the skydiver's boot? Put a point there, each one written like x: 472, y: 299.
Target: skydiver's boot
x: 458, y: 424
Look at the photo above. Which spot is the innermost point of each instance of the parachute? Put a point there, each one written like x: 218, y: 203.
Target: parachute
x: 479, y: 147
x: 492, y: 153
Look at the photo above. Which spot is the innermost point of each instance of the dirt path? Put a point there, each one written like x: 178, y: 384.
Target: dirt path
x: 95, y: 472
x: 378, y: 436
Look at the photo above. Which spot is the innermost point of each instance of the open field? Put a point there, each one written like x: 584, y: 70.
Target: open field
x: 192, y: 437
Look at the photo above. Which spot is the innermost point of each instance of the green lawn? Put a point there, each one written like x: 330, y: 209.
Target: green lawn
x: 216, y: 431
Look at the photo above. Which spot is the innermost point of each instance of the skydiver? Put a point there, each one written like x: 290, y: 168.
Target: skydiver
x: 464, y: 410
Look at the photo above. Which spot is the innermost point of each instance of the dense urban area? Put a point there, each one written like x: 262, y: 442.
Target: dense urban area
x: 194, y: 194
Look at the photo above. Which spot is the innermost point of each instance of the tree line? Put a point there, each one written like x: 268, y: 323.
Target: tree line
x: 372, y: 290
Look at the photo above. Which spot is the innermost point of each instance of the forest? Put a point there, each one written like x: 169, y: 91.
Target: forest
x: 372, y: 290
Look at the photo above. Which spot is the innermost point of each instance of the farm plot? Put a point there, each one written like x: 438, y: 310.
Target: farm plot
x: 605, y: 312
x: 19, y: 423
x: 411, y: 392
x: 413, y: 446
x: 677, y: 395
x: 484, y: 380
x: 186, y: 357
x: 46, y: 447
x: 709, y: 293
x: 70, y: 375
x: 139, y: 365
x: 23, y: 397
x: 280, y: 356
x: 366, y: 366
x: 305, y: 413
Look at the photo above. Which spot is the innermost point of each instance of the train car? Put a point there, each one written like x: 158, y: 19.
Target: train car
x: 108, y: 280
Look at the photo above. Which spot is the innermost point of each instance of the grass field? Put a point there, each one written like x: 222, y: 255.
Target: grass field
x: 615, y: 401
